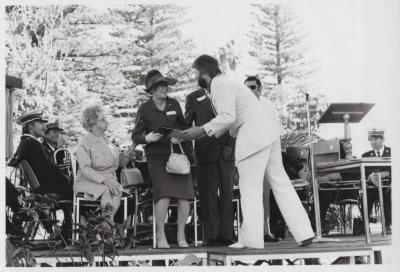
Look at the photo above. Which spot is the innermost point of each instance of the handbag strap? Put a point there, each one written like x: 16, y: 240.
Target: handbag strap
x: 180, y: 146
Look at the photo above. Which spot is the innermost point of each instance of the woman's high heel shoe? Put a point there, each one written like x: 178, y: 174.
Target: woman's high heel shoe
x: 162, y: 243
x: 183, y: 243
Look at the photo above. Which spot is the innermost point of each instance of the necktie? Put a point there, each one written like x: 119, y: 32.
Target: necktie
x: 379, y: 153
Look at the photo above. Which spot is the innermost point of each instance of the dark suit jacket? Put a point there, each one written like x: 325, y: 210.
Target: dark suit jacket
x: 198, y: 109
x: 387, y: 152
x: 50, y: 178
x: 50, y: 152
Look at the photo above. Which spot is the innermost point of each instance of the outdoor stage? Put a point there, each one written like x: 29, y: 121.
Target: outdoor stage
x: 349, y: 250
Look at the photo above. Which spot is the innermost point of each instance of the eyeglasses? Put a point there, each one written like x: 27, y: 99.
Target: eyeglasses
x: 252, y: 87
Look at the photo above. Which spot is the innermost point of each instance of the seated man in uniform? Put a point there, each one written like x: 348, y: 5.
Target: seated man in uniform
x: 51, y: 140
x: 50, y: 178
x: 377, y: 139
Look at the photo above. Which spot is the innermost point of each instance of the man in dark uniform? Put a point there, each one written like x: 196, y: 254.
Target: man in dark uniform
x: 377, y: 139
x: 50, y: 140
x: 50, y: 178
x: 215, y: 173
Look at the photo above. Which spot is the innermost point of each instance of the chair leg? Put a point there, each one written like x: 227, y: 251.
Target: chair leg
x: 351, y: 216
x: 125, y: 208
x: 135, y: 216
x: 342, y: 209
x: 195, y: 221
x: 35, y: 228
x: 77, y: 216
x: 154, y: 228
x: 237, y: 215
x: 74, y: 221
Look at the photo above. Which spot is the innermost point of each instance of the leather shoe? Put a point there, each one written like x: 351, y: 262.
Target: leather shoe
x: 270, y: 239
x: 236, y: 246
x: 306, y: 242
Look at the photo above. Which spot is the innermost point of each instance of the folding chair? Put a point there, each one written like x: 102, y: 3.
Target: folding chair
x: 80, y: 201
x: 34, y: 185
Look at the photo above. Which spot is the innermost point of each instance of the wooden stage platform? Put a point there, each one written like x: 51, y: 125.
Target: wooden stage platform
x: 349, y: 250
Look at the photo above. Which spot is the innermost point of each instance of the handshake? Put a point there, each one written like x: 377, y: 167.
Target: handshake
x: 194, y: 132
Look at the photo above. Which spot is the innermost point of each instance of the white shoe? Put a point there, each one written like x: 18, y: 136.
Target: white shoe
x: 183, y: 243
x: 236, y: 245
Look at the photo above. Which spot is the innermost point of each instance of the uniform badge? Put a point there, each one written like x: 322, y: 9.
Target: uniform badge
x: 171, y: 112
x: 201, y: 98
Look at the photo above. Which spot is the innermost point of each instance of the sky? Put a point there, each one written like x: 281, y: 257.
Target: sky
x: 355, y: 44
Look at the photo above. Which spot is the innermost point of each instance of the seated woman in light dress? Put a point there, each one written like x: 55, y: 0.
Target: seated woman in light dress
x: 97, y: 163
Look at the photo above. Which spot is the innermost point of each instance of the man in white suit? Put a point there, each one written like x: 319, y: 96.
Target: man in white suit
x: 258, y: 153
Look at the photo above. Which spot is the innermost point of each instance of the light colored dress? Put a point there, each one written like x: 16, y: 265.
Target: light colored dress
x: 97, y: 162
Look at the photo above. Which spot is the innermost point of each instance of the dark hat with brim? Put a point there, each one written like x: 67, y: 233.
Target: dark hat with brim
x: 53, y: 126
x: 154, y: 76
x: 36, y: 115
x: 376, y: 133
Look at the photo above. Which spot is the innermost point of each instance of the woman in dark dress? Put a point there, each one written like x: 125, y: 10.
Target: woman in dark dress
x: 161, y: 110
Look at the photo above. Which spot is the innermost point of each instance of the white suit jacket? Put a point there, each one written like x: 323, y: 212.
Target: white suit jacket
x: 240, y: 112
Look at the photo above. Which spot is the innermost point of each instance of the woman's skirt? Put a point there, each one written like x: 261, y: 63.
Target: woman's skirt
x: 168, y: 185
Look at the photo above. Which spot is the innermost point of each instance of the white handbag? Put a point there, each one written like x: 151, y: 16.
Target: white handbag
x: 178, y: 163
x: 131, y: 177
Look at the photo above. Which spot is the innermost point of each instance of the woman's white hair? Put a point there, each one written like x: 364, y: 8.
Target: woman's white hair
x: 90, y: 115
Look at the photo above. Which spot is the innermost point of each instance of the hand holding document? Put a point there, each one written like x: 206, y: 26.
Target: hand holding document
x: 173, y: 133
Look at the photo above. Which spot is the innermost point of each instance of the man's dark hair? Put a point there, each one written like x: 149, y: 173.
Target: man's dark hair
x: 208, y: 65
x: 253, y: 78
x: 25, y: 129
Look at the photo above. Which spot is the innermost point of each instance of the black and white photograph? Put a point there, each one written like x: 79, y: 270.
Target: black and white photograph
x: 253, y: 134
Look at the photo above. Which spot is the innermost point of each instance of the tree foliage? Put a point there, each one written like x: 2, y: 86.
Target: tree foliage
x: 67, y: 55
x: 278, y: 43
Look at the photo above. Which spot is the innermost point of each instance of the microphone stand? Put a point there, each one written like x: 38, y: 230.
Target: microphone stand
x: 314, y: 181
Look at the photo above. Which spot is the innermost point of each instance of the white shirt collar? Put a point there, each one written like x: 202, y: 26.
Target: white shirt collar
x: 33, y: 137
x: 380, y: 151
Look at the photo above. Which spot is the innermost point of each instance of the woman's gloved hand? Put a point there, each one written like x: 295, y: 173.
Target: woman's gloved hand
x: 153, y: 137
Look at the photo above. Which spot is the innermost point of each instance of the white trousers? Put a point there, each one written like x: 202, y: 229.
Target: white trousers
x: 267, y: 208
x: 268, y: 162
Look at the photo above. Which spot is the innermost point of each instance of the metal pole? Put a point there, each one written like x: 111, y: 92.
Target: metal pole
x: 381, y: 204
x: 318, y: 238
x: 314, y: 181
